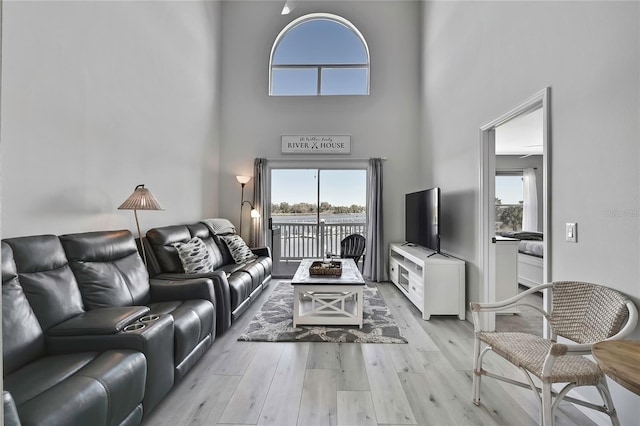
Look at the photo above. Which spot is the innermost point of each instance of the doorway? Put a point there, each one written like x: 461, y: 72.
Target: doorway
x: 493, y: 216
x: 311, y: 210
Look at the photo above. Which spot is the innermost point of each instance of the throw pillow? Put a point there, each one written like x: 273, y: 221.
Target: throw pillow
x: 239, y: 250
x: 194, y: 256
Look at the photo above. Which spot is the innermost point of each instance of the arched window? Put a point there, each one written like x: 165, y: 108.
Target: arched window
x: 319, y: 54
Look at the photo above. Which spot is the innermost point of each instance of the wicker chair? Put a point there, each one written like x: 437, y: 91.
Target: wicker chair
x: 581, y: 312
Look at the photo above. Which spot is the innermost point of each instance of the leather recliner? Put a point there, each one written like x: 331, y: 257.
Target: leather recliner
x: 111, y: 273
x: 45, y: 384
x: 237, y: 285
x: 93, y: 296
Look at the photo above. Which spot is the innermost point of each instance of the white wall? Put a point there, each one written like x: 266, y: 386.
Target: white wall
x: 98, y: 97
x: 383, y: 124
x: 481, y: 59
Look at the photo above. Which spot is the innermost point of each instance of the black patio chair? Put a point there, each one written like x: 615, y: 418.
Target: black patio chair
x: 351, y: 247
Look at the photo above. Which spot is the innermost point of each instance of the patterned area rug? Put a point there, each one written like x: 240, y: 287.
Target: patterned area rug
x: 274, y: 322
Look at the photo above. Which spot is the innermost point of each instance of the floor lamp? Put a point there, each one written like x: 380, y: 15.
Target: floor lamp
x: 254, y: 213
x: 141, y: 199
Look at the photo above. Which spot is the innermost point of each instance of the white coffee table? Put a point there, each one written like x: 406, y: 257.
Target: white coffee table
x: 328, y: 300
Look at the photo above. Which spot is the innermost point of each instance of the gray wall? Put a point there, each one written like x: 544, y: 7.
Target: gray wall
x: 98, y: 97
x: 482, y: 59
x: 383, y: 124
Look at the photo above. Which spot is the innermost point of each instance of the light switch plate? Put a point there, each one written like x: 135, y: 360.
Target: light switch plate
x: 571, y: 232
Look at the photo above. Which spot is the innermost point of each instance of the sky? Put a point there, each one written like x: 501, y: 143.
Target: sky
x: 509, y: 189
x: 337, y: 187
x: 320, y: 42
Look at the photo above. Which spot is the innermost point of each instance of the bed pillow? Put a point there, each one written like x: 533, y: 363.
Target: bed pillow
x: 239, y: 250
x: 194, y: 256
x: 523, y: 235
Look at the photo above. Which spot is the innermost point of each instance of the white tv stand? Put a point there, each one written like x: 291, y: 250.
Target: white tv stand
x: 434, y: 283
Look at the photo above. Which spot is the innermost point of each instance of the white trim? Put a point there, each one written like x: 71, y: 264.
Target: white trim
x: 487, y: 178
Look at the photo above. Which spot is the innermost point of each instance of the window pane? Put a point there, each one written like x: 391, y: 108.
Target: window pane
x: 294, y: 195
x: 509, y: 196
x: 509, y: 189
x: 344, y: 81
x: 298, y: 81
x: 343, y: 195
x: 508, y: 218
x: 320, y: 41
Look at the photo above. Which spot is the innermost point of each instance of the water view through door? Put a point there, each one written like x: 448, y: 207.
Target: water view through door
x: 312, y: 210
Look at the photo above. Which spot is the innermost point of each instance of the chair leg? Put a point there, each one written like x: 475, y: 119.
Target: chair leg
x: 477, y: 367
x: 603, y: 388
x: 547, y: 406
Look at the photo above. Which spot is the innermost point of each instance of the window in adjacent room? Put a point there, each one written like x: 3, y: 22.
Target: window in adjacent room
x: 319, y: 55
x: 509, y: 201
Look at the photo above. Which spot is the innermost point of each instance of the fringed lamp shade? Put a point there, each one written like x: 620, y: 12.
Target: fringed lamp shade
x: 141, y: 199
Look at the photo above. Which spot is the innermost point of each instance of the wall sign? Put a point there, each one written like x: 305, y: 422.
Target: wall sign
x: 308, y: 144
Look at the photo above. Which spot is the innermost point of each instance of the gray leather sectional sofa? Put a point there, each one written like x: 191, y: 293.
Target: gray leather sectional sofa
x: 235, y: 285
x: 88, y: 338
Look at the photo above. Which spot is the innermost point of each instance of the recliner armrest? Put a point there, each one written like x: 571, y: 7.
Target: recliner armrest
x: 99, y: 321
x: 262, y: 251
x: 182, y: 289
x: 11, y: 417
x: 221, y: 301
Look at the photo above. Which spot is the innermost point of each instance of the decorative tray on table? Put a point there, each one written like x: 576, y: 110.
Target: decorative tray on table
x: 321, y: 268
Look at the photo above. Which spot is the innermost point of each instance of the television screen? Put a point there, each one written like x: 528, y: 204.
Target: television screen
x: 422, y: 215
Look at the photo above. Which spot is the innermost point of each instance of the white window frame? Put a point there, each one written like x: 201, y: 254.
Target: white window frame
x: 319, y: 67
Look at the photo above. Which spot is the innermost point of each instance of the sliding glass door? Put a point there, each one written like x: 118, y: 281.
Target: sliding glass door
x: 315, y: 208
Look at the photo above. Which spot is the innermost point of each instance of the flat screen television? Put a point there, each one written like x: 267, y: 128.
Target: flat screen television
x: 422, y: 218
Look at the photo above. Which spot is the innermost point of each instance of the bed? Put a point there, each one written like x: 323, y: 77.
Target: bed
x: 530, y: 256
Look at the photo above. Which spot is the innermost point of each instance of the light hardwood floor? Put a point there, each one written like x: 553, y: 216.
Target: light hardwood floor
x: 425, y: 382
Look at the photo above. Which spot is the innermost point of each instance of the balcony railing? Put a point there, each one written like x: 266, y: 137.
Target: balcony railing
x: 312, y: 240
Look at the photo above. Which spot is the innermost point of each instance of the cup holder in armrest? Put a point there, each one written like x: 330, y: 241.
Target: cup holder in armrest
x: 149, y: 318
x: 134, y: 327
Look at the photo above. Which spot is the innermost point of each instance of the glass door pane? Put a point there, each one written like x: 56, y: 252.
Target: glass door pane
x: 294, y: 209
x: 343, y: 198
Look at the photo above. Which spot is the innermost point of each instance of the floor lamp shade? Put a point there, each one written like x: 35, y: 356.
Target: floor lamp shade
x: 141, y: 199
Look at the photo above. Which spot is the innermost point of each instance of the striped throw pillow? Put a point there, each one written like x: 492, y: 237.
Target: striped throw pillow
x: 194, y: 256
x: 239, y: 250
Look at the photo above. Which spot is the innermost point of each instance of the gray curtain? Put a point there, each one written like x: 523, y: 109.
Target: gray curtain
x: 259, y: 226
x: 374, y: 264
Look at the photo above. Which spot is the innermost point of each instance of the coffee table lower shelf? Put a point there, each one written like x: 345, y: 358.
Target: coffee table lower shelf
x: 326, y: 304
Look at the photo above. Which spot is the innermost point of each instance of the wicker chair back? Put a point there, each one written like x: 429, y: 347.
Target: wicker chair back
x: 585, y: 312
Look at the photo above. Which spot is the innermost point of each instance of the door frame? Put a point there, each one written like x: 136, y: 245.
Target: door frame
x: 486, y: 226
